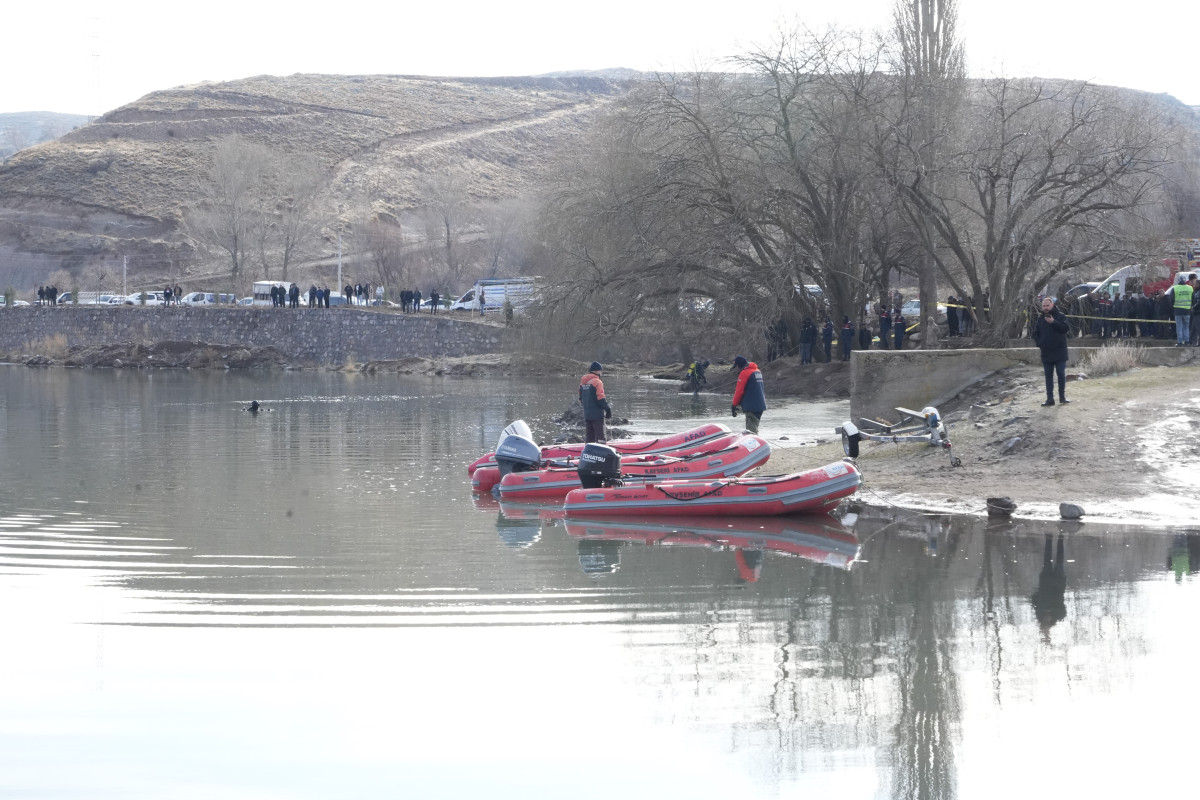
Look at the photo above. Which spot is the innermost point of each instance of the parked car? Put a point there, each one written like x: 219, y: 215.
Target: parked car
x: 100, y: 299
x: 911, y: 309
x: 152, y: 299
x: 246, y: 301
x: 1079, y: 290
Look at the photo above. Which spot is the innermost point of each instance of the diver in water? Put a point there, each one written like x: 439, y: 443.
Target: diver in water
x: 253, y: 407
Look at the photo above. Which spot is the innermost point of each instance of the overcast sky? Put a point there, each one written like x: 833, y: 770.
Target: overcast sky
x: 91, y: 57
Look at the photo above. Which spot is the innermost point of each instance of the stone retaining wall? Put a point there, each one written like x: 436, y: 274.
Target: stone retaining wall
x: 318, y: 336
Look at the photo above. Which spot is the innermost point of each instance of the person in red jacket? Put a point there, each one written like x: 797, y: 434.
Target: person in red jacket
x: 749, y: 393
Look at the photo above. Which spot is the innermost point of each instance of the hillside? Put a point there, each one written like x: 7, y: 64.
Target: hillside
x: 27, y: 128
x: 120, y: 185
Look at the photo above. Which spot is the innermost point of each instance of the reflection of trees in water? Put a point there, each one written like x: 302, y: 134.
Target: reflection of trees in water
x: 928, y: 704
x: 871, y: 660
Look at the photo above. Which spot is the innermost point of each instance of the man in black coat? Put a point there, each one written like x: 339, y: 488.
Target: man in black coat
x: 808, y: 339
x: 1050, y: 333
x: 846, y: 338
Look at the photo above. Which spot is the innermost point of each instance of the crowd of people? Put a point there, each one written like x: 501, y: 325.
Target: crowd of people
x: 1160, y: 314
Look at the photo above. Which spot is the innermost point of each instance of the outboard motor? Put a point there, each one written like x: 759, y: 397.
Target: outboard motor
x: 599, y: 466
x: 516, y: 453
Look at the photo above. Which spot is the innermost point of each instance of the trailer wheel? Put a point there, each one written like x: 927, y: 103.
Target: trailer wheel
x: 850, y: 444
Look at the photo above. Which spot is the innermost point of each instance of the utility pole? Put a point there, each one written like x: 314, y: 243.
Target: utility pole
x: 339, y: 283
x: 124, y: 272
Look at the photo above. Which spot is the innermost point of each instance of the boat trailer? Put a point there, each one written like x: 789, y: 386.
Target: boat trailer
x: 925, y: 425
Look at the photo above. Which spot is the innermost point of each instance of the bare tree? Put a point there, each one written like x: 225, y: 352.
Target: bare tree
x: 95, y: 276
x: 380, y: 244
x: 503, y: 244
x: 450, y: 232
x: 1037, y: 184
x: 929, y: 60
x: 229, y: 212
x: 740, y: 187
x: 292, y: 207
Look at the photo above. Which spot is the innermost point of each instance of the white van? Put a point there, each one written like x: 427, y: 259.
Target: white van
x: 1133, y: 279
x: 520, y: 292
x: 207, y: 299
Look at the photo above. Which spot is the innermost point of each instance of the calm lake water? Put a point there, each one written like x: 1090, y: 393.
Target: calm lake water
x: 200, y: 603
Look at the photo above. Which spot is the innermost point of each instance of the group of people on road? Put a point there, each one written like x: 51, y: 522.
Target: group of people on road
x: 749, y: 396
x: 47, y: 296
x: 289, y: 297
x: 1160, y: 314
x: 410, y: 301
x: 172, y: 295
x: 318, y: 296
x: 358, y: 294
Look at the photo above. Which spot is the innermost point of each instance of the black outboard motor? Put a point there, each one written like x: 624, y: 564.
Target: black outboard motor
x: 599, y: 466
x: 517, y: 453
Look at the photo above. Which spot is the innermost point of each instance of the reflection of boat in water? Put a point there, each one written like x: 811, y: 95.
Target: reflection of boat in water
x: 815, y: 491
x: 485, y: 502
x: 821, y: 539
x: 519, y: 525
x: 659, y: 444
x: 740, y: 455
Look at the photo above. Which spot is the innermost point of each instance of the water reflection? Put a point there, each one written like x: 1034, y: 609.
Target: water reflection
x: 169, y: 562
x: 822, y: 539
x: 1049, y: 601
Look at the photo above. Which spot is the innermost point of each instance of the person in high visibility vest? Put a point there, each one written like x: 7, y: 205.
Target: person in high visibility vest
x: 1181, y: 302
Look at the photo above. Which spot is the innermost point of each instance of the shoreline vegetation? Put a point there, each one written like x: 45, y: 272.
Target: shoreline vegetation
x: 1123, y: 450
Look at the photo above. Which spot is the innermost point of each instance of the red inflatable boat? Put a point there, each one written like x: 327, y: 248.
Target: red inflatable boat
x: 659, y: 444
x: 487, y: 476
x: 815, y: 491
x: 743, y: 453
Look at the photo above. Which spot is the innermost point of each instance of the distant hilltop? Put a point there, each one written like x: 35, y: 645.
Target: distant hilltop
x: 27, y: 128
x: 120, y: 187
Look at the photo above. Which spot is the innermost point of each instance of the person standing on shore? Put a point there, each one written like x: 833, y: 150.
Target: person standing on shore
x: 808, y: 339
x: 827, y: 339
x: 846, y: 338
x: 595, y: 405
x: 1181, y: 297
x: 900, y: 324
x: 749, y: 393
x: 1050, y: 333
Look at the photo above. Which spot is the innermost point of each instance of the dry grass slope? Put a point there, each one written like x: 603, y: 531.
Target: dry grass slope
x: 122, y: 183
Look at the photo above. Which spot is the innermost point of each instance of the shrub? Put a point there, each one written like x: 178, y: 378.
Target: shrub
x: 1113, y: 358
x: 51, y: 346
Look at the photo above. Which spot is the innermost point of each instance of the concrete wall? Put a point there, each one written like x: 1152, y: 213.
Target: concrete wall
x: 882, y: 380
x: 317, y: 336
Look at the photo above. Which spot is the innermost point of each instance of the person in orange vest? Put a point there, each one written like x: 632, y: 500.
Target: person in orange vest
x: 749, y: 393
x: 595, y: 405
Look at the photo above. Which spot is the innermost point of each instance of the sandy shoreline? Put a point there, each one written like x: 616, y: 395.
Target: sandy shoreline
x: 1125, y: 449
